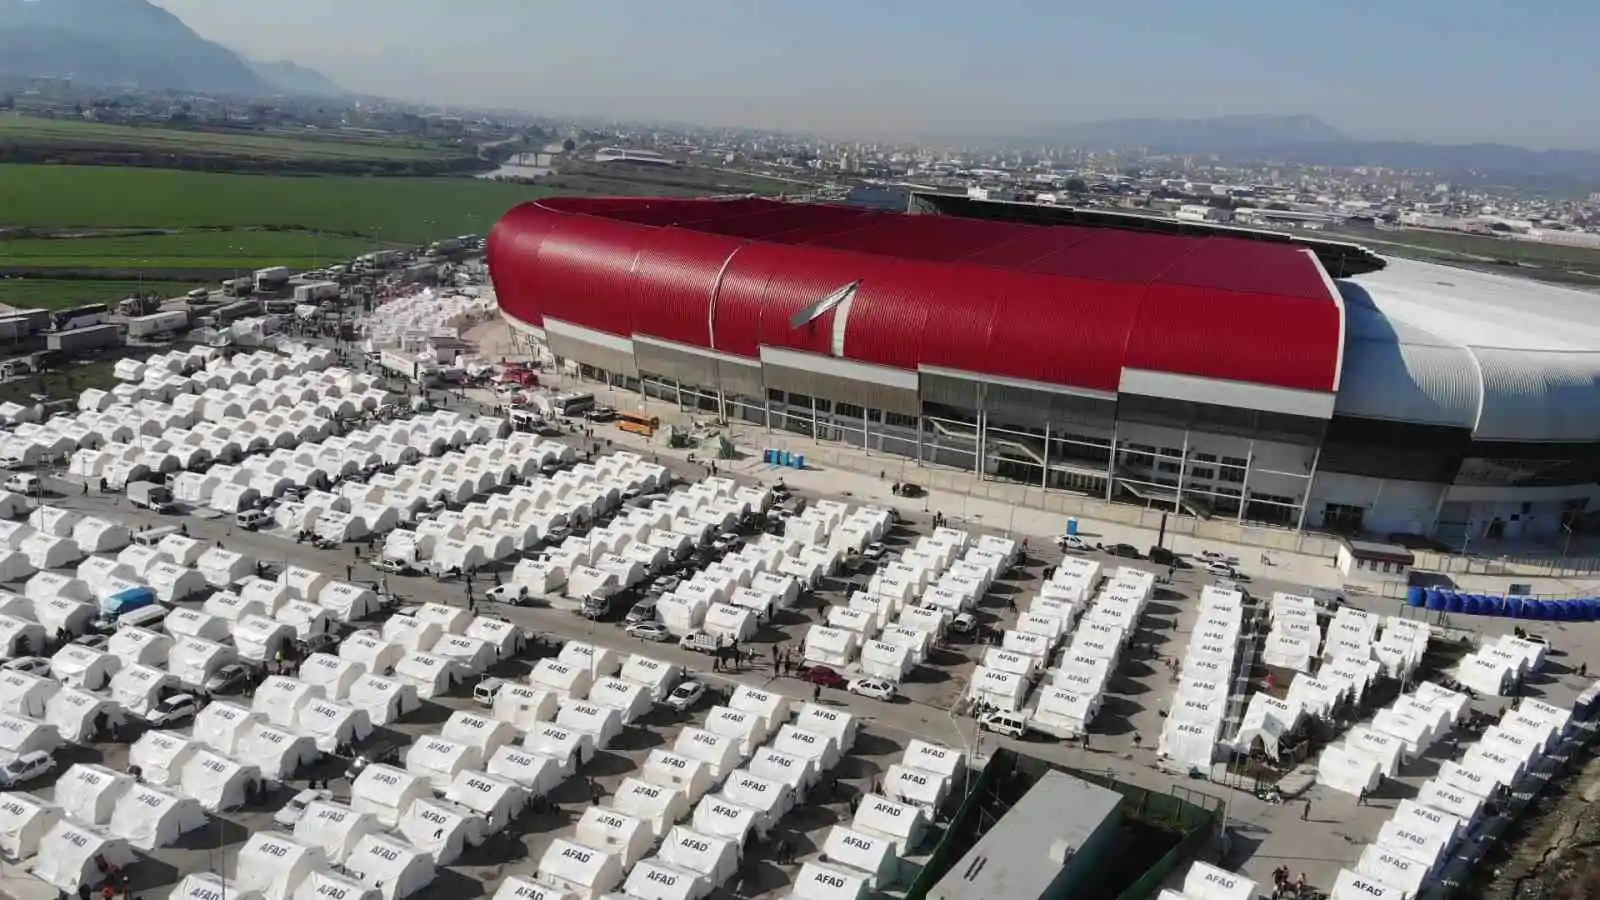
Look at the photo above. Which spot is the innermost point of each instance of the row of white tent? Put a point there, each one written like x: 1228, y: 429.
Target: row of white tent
x: 410, y: 321
x: 1193, y: 727
x: 1204, y: 881
x: 1417, y: 840
x: 1499, y: 664
x: 1294, y: 633
x: 1071, y: 700
x: 1394, y: 736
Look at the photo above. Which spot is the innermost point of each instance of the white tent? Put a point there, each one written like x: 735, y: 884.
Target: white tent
x: 692, y: 776
x: 89, y: 793
x: 1348, y: 771
x: 217, y: 782
x: 560, y: 679
x: 211, y: 886
x: 270, y: 594
x: 567, y: 746
x: 149, y: 818
x: 173, y: 582
x: 630, y: 699
x: 484, y: 733
x: 658, y: 677
x: 182, y: 623
x: 450, y: 619
x: 516, y: 887
x: 22, y: 694
x: 377, y: 655
x: 473, y: 655
x: 24, y: 820
x: 521, y: 706
x: 96, y: 535
x: 725, y: 819
x: 439, y: 760
x: 901, y: 823
x: 822, y: 751
x: 331, y: 674
x: 80, y: 717
x: 69, y: 854
x: 1438, y: 794
x: 192, y: 660
x: 78, y: 666
x: 730, y: 623
x: 861, y: 852
x: 437, y: 829
x: 715, y: 858
x: 604, y: 723
x: 385, y: 792
x: 307, y: 618
x: 223, y: 726
x: 1207, y: 882
x: 1000, y: 689
x: 1396, y: 870
x: 915, y: 786
x: 771, y: 707
x: 720, y: 753
x: 657, y: 805
x: 536, y: 773
x: 1352, y: 885
x: 274, y: 865
x: 277, y: 752
x: 333, y: 828
x: 626, y: 837
x: 1425, y: 847
x: 836, y: 724
x: 331, y: 724
x: 160, y: 757
x: 828, y: 646
x: 139, y: 646
x: 57, y: 614
x: 348, y: 602
x: 598, y: 662
x: 795, y: 771
x: 816, y: 881
x: 496, y: 800
x: 745, y: 729
x: 220, y: 567
x: 19, y: 736
x: 20, y: 637
x: 279, y: 699
x: 586, y: 872
x: 652, y: 879
x: 432, y: 676
x: 260, y: 639
x: 507, y: 639
x: 384, y: 700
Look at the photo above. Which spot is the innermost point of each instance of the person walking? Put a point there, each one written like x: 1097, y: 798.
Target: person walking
x: 1305, y: 814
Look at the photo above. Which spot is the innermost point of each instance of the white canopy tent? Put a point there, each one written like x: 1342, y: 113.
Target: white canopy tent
x: 279, y: 699
x: 658, y: 677
x: 160, y: 757
x: 822, y: 751
x: 149, y: 818
x: 25, y: 695
x: 1347, y: 770
x: 330, y: 674
x: 536, y: 773
x: 719, y: 752
x: 432, y: 676
x: 374, y: 653
x: 480, y: 732
x: 384, y: 792
x: 274, y: 865
x: 439, y: 760
x: 862, y: 852
x: 217, y: 782
x: 80, y: 717
x: 193, y: 660
x: 797, y: 773
x: 516, y: 887
x: 715, y: 858
x: 521, y: 706
x: 330, y: 725
x: 24, y: 820
x: 278, y: 753
x: 692, y: 776
x: 69, y: 854
x: 657, y: 805
x: 816, y: 881
x: 333, y: 828
x: 624, y: 836
x: 901, y: 823
x: 384, y: 700
x: 586, y: 872
x: 495, y: 800
x: 604, y: 723
x: 89, y: 793
x: 440, y: 830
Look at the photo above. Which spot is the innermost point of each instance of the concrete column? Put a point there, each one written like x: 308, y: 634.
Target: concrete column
x: 1111, y: 462
x: 1311, y: 481
x: 1183, y: 468
x: 1044, y: 474
x: 1244, y: 486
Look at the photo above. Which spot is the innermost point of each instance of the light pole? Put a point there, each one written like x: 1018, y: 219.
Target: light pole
x: 971, y: 745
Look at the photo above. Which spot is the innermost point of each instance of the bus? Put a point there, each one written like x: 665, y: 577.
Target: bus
x: 571, y: 404
x: 637, y: 423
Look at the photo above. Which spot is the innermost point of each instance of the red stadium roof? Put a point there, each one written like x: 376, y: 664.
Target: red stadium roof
x: 1064, y: 305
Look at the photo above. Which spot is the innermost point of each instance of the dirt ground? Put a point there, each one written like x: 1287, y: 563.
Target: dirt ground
x: 1556, y: 856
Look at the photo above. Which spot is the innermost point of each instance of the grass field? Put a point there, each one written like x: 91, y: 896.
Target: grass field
x: 1441, y: 244
x: 215, y: 250
x: 71, y: 134
x: 60, y: 293
x: 393, y: 210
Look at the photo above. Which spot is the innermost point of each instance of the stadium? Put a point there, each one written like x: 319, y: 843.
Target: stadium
x: 1221, y: 372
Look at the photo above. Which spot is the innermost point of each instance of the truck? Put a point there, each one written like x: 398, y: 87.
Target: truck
x: 271, y: 279
x: 82, y: 340
x: 415, y: 367
x: 149, y: 495
x: 316, y: 291
x: 166, y: 322
x: 239, y: 287
x: 595, y: 606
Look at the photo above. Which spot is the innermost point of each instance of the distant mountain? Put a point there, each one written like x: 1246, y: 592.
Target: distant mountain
x: 293, y: 78
x: 1224, y: 134
x: 115, y: 43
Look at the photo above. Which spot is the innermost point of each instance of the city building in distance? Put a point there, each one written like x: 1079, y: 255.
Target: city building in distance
x: 1224, y: 372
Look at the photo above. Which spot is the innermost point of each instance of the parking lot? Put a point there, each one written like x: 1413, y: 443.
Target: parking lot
x: 929, y: 705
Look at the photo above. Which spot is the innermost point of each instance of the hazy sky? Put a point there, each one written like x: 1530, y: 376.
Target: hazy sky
x: 1447, y: 70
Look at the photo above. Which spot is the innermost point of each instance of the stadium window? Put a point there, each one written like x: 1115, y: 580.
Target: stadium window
x: 823, y: 405
x: 774, y: 395
x: 801, y: 400
x: 899, y: 421
x: 1233, y: 469
x: 849, y: 411
x: 1139, y: 455
x: 1203, y: 474
x: 1167, y: 465
x: 874, y: 415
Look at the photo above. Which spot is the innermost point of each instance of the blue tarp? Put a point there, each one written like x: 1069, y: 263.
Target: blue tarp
x: 128, y: 601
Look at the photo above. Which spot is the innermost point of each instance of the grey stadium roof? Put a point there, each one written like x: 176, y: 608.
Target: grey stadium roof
x: 1509, y: 358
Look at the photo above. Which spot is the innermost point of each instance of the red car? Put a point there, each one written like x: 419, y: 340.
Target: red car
x: 825, y: 676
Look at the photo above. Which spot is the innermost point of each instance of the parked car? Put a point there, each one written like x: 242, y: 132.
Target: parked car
x: 1009, y: 724
x: 964, y: 623
x: 93, y: 641
x: 483, y: 692
x: 32, y: 665
x: 1211, y: 556
x: 1221, y: 570
x: 824, y: 676
x: 876, y: 688
x: 232, y: 678
x: 685, y: 695
x: 295, y: 809
x: 252, y: 519
x: 643, y: 611
x: 514, y: 594
x: 25, y: 768
x: 21, y: 484
x: 387, y: 752
x: 1126, y: 551
x: 1068, y: 542
x: 174, y: 709
x: 649, y: 631
x: 325, y: 642
x: 700, y: 642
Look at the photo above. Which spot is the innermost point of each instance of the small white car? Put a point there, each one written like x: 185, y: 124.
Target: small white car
x: 515, y: 594
x: 296, y: 807
x: 649, y: 631
x: 32, y: 665
x: 173, y: 710
x: 21, y: 484
x: 94, y: 642
x: 1071, y: 542
x: 1009, y: 724
x: 1218, y: 556
x: 26, y: 768
x: 483, y: 692
x: 1221, y: 570
x: 876, y: 688
x: 685, y: 695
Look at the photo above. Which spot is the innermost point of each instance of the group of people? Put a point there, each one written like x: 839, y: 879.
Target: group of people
x: 1282, y: 885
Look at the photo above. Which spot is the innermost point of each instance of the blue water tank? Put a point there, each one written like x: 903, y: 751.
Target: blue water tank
x: 1513, y: 607
x: 1437, y: 600
x: 1416, y: 595
x: 1494, y: 606
x: 1472, y: 605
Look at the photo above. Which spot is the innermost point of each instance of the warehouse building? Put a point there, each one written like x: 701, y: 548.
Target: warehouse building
x: 1222, y: 372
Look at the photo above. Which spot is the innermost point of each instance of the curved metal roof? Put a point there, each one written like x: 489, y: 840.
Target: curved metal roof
x: 1064, y: 305
x: 1509, y: 358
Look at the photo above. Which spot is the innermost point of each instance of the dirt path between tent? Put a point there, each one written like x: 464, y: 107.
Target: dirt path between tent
x: 1557, y: 857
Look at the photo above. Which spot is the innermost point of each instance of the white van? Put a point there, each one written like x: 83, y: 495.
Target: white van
x: 1010, y: 724
x: 251, y: 519
x: 153, y: 536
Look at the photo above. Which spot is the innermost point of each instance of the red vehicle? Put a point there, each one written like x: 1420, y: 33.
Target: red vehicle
x: 825, y: 676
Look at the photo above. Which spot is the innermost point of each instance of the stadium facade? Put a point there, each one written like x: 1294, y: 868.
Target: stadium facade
x: 1223, y: 373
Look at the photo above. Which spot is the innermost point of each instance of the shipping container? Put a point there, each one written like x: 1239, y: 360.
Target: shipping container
x: 239, y: 287
x: 238, y: 309
x: 165, y: 322
x: 79, y: 340
x: 316, y: 291
x: 272, y: 279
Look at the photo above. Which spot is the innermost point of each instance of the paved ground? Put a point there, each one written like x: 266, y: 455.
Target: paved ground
x: 1268, y: 834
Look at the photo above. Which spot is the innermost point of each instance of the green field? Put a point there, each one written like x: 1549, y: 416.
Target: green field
x: 61, y: 293
x: 1451, y: 245
x: 392, y: 210
x: 70, y: 134
x: 214, y: 250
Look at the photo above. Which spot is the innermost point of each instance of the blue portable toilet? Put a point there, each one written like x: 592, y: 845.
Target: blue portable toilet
x: 1416, y: 595
x: 1072, y: 527
x: 800, y: 461
x: 766, y: 456
x: 788, y: 458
